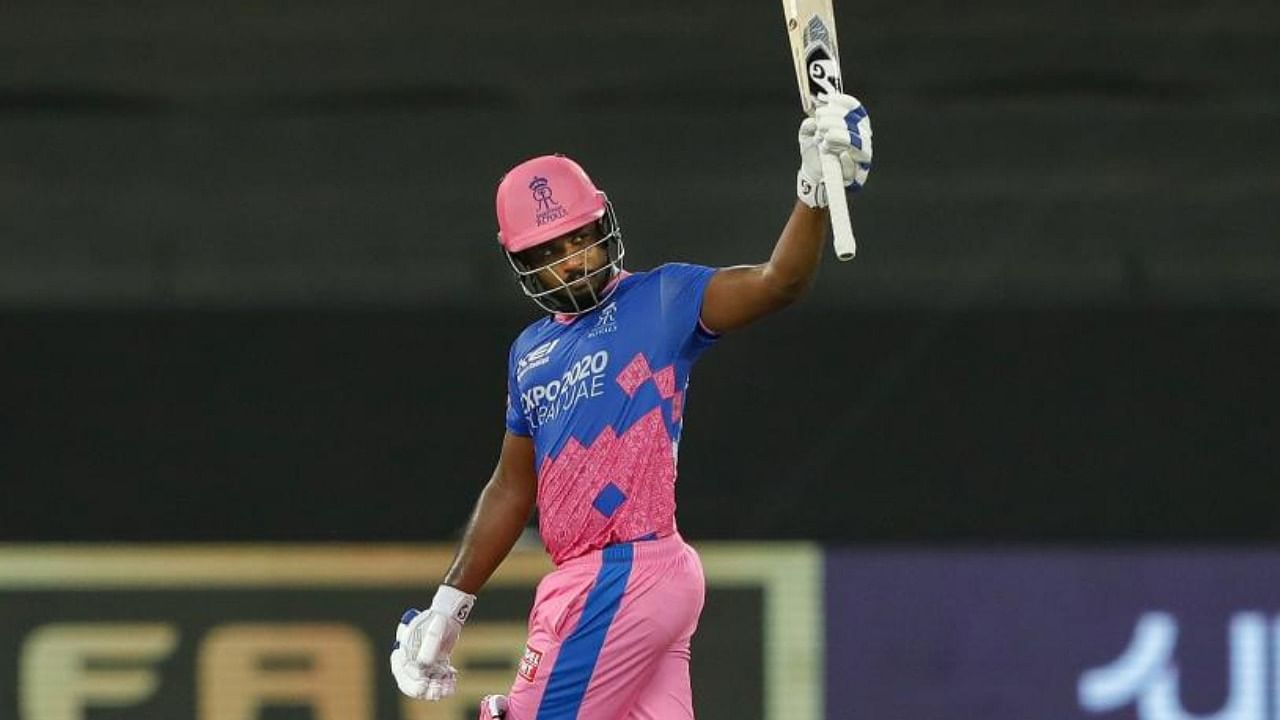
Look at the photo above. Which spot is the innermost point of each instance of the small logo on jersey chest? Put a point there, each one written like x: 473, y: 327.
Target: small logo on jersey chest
x: 536, y: 357
x: 606, y: 321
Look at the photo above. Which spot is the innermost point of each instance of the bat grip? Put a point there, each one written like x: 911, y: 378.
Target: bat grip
x: 838, y: 204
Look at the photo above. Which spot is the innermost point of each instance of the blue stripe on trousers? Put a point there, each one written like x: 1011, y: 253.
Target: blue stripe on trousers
x: 579, y: 653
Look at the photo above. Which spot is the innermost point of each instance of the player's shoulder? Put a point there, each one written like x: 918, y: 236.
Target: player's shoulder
x: 681, y: 267
x: 532, y: 334
x: 668, y: 271
x: 683, y: 270
x: 677, y: 267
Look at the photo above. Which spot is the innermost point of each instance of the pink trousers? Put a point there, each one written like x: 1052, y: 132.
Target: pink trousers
x: 609, y: 636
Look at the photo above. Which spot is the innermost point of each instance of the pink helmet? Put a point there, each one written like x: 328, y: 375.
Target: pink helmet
x: 543, y: 198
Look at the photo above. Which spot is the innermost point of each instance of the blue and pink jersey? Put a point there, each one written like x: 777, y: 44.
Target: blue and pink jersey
x: 602, y: 395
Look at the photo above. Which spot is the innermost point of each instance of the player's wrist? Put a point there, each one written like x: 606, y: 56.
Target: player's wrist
x: 810, y: 190
x: 453, y: 603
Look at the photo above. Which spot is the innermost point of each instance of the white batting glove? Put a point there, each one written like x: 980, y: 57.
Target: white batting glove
x: 493, y: 707
x: 844, y: 130
x: 420, y: 658
x: 809, y: 187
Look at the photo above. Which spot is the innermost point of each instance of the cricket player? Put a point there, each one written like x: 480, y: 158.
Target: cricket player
x: 596, y: 396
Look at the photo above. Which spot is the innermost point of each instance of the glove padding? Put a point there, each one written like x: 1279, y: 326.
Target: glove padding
x: 420, y: 658
x: 493, y: 707
x: 839, y: 127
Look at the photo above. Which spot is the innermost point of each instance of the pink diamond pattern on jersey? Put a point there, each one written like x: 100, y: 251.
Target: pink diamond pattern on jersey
x: 640, y: 464
x: 637, y: 372
x: 677, y: 407
x: 665, y: 379
x: 634, y: 374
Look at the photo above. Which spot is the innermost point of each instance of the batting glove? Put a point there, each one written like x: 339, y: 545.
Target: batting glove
x: 809, y: 187
x: 493, y: 707
x: 844, y: 130
x: 420, y: 658
x: 840, y: 127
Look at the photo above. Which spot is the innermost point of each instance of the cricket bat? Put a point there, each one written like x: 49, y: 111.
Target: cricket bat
x: 811, y: 28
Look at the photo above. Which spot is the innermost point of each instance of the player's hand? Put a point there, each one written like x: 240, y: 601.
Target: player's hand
x: 493, y: 707
x: 844, y: 130
x: 840, y: 127
x: 809, y: 186
x: 420, y: 658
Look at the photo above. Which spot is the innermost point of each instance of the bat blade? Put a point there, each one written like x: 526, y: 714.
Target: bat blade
x: 815, y: 53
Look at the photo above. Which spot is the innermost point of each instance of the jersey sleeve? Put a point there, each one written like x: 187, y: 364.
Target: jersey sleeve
x: 683, y: 287
x: 516, y: 422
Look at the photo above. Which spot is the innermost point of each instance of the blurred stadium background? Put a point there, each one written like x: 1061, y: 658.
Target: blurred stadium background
x: 251, y: 305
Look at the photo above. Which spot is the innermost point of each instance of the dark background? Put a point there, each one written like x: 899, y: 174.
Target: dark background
x: 249, y: 287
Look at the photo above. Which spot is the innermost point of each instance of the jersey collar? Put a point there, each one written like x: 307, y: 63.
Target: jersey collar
x: 564, y: 319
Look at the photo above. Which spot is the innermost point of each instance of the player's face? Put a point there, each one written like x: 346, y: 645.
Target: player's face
x: 571, y: 260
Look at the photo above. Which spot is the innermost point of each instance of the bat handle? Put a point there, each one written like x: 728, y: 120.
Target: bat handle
x: 841, y: 227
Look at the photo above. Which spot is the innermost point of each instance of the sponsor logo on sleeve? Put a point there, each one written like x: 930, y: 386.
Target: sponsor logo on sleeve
x: 535, y: 358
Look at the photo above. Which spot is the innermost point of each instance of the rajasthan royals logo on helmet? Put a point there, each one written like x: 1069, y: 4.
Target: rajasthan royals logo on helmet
x: 547, y: 209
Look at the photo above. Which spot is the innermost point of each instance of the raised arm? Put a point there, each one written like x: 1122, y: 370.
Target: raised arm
x: 736, y: 296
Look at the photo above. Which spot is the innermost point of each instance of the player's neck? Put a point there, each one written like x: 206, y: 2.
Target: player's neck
x: 566, y: 319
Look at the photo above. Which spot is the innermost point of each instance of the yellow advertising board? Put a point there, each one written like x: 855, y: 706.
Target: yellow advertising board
x: 276, y: 632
